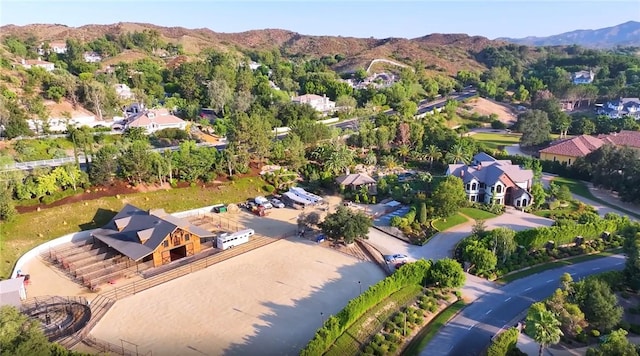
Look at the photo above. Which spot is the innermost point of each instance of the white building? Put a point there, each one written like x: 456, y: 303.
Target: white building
x: 123, y: 91
x: 92, y: 57
x: 57, y: 47
x: 489, y: 180
x: 583, y: 77
x: 622, y: 107
x: 12, y: 292
x: 320, y: 103
x: 153, y: 120
x: 30, y: 63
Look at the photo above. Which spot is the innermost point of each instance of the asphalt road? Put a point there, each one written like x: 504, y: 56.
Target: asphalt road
x: 469, y: 333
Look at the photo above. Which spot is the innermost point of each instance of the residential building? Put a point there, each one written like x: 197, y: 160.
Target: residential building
x: 356, y: 181
x: 63, y: 114
x: 568, y: 150
x: 123, y: 91
x: 13, y: 292
x: 92, y: 57
x: 622, y: 107
x: 491, y: 181
x: 583, y: 77
x: 154, y: 120
x: 58, y: 47
x: 319, y: 103
x: 30, y: 63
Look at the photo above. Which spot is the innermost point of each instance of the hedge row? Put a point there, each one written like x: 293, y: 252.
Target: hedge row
x: 564, y: 234
x: 503, y: 343
x: 410, y: 274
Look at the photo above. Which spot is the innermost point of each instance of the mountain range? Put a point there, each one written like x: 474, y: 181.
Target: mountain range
x: 626, y: 34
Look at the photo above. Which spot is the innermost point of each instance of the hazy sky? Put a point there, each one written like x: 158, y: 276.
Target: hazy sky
x: 357, y: 18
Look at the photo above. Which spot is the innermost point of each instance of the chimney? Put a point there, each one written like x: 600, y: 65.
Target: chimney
x: 479, y: 166
x: 461, y: 174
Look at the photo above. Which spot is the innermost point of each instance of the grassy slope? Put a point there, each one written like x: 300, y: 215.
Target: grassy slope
x: 31, y: 229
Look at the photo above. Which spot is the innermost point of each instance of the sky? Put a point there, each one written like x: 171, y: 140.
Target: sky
x: 350, y: 18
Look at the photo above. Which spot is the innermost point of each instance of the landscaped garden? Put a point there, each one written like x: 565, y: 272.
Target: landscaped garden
x: 380, y: 320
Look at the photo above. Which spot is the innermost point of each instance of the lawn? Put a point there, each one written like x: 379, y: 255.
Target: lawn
x: 477, y: 214
x: 370, y: 323
x: 496, y: 140
x: 556, y: 264
x: 31, y: 229
x: 427, y: 333
x: 451, y: 221
x: 579, y: 188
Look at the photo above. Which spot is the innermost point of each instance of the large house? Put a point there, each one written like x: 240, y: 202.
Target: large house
x: 153, y: 120
x: 583, y: 77
x: 151, y: 235
x: 491, y: 181
x: 568, y: 150
x: 58, y: 47
x: 91, y: 57
x: 622, y: 107
x: 319, y: 103
x: 30, y: 63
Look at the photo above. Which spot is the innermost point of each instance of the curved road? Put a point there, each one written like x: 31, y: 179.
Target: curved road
x: 470, y: 331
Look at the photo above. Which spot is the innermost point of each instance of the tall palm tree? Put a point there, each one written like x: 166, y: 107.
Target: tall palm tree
x: 403, y: 152
x: 433, y: 153
x: 543, y: 326
x: 458, y: 153
x: 339, y: 160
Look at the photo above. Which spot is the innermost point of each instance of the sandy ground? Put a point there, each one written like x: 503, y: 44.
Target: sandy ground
x: 487, y: 107
x: 265, y: 302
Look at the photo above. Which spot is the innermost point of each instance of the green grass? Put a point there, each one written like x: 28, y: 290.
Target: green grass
x: 579, y: 188
x: 496, y: 140
x: 428, y: 332
x: 31, y: 229
x: 545, y: 213
x: 368, y: 324
x: 557, y: 264
x: 451, y: 221
x: 477, y: 214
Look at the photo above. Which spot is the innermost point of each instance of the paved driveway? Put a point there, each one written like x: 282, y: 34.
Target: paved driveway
x: 442, y: 244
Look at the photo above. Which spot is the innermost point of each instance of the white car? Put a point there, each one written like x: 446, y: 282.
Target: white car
x: 396, y: 258
x: 277, y: 203
x: 263, y: 202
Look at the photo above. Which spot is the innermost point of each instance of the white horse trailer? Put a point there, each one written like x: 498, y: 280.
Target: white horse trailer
x: 226, y: 241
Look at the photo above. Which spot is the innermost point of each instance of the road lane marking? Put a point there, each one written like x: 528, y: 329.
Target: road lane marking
x: 618, y: 264
x: 488, y: 311
x: 595, y: 268
x: 508, y: 299
x: 471, y: 327
x: 528, y: 289
x: 551, y: 280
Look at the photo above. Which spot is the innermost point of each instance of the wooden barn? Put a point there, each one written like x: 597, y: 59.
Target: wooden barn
x: 151, y: 235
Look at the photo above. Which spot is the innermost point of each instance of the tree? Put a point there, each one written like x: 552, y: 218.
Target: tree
x: 104, y: 165
x: 21, y: 336
x: 447, y: 273
x: 448, y: 197
x: 7, y: 207
x: 482, y: 259
x: 458, y: 154
x: 504, y: 343
x: 433, y: 153
x: 422, y: 216
x: 503, y: 242
x: 539, y: 195
x: 543, y: 326
x: 535, y: 128
x: 599, y: 304
x: 616, y: 344
x: 346, y: 225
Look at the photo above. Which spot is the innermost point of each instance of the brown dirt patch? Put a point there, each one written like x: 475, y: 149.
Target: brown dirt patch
x: 487, y: 107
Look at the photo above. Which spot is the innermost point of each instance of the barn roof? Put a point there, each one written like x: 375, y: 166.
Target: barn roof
x: 136, y: 233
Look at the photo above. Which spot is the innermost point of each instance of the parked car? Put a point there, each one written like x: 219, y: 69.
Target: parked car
x: 263, y: 202
x: 277, y: 203
x: 396, y: 258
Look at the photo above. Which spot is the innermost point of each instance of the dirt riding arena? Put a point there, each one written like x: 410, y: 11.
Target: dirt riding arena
x: 265, y: 302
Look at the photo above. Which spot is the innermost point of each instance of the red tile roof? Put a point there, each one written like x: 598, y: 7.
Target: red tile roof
x: 623, y: 138
x: 575, y: 147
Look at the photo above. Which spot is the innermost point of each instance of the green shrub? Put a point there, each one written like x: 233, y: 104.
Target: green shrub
x: 503, y: 343
x: 595, y: 333
x: 268, y: 188
x: 582, y: 337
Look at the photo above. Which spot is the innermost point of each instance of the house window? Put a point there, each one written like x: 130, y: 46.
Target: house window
x: 491, y: 189
x: 165, y: 243
x: 187, y: 237
x: 474, y: 186
x: 482, y: 186
x: 473, y: 198
x: 498, y: 201
x: 569, y: 162
x: 468, y: 186
x: 498, y: 189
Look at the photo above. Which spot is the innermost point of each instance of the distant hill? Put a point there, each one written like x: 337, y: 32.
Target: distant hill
x: 446, y: 53
x: 626, y: 34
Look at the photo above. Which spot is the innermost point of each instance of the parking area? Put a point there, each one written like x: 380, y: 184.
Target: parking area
x: 385, y: 220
